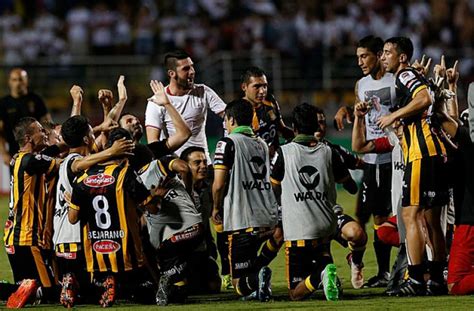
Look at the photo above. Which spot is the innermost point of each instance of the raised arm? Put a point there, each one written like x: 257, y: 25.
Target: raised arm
x: 76, y: 94
x: 182, y: 130
x: 116, y: 111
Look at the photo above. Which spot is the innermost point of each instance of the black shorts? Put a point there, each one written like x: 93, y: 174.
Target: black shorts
x: 426, y: 183
x: 174, y: 252
x: 243, y: 250
x: 342, y: 220
x: 375, y: 196
x: 302, y: 257
x: 27, y: 262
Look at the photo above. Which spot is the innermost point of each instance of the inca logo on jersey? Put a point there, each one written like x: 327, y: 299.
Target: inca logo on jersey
x: 309, y: 177
x: 106, y: 246
x: 258, y: 168
x: 99, y: 180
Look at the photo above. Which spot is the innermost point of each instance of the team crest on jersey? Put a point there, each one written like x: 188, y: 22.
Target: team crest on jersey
x: 8, y: 224
x: 106, y: 246
x: 220, y: 147
x: 99, y: 180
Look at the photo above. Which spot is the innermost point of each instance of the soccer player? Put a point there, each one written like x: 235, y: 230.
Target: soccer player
x: 176, y: 230
x: 191, y: 100
x: 77, y: 134
x: 18, y: 104
x: 377, y: 87
x: 267, y: 124
x: 23, y: 235
x: 243, y: 200
x: 349, y: 233
x: 105, y: 199
x: 425, y: 176
x: 304, y: 174
x: 204, y: 275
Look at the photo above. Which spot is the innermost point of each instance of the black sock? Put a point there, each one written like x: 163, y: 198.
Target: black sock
x: 315, y: 276
x: 417, y: 272
x: 247, y: 284
x: 382, y: 253
x: 436, y: 271
x: 267, y: 254
x: 357, y: 254
x: 223, y: 248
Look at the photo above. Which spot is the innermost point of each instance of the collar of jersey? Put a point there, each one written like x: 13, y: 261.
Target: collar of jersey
x: 302, y: 138
x: 243, y: 129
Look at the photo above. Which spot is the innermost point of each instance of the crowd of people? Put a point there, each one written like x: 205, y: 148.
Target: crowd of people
x: 297, y: 29
x: 91, y: 205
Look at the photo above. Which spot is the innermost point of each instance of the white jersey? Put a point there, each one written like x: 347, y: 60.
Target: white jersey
x: 64, y: 231
x: 193, y: 108
x: 381, y: 94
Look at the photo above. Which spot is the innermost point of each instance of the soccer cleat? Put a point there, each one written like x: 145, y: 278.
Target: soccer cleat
x: 357, y: 277
x: 252, y: 296
x: 227, y: 282
x: 68, y: 291
x: 164, y: 290
x: 264, y: 292
x: 25, y: 292
x: 409, y: 288
x: 108, y: 297
x: 378, y: 281
x: 436, y: 289
x: 329, y: 278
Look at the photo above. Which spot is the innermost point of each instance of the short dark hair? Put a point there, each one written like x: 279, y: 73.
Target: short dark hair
x: 74, y: 130
x: 403, y: 45
x: 371, y: 43
x: 187, y: 152
x: 251, y: 72
x: 172, y: 57
x: 117, y: 134
x: 241, y: 110
x: 126, y: 113
x: 22, y: 128
x: 305, y: 119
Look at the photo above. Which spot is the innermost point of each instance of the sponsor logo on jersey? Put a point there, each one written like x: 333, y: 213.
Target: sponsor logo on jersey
x: 99, y: 180
x: 406, y: 76
x: 398, y: 166
x: 40, y: 157
x: 106, y: 246
x: 10, y: 249
x: 70, y: 256
x: 258, y: 168
x: 220, y: 147
x: 309, y: 177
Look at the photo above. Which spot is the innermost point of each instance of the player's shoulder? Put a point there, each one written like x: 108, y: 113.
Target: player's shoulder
x: 406, y: 75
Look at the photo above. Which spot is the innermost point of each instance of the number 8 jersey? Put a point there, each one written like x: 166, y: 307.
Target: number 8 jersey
x: 107, y: 196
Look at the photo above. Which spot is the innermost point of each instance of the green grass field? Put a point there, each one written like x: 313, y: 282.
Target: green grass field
x: 364, y: 299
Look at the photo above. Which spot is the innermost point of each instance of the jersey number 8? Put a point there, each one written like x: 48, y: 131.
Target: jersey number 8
x: 102, y: 216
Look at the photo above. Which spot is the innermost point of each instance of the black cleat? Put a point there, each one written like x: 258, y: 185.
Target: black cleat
x: 264, y: 292
x: 409, y: 288
x: 436, y: 289
x: 378, y: 281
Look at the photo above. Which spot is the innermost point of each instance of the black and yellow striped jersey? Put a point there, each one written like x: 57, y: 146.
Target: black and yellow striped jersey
x: 419, y: 140
x: 25, y: 223
x: 107, y: 197
x: 265, y: 123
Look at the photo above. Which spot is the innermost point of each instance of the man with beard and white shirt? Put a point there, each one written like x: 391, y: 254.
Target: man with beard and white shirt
x: 191, y: 100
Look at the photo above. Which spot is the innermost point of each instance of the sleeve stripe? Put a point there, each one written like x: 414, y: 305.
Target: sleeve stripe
x: 51, y: 166
x: 220, y: 167
x: 274, y: 181
x: 418, y: 89
x: 152, y: 126
x: 147, y: 200
x: 74, y: 207
x: 162, y: 168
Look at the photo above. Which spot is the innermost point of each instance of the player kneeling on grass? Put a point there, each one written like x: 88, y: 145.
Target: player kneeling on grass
x: 304, y: 175
x: 242, y: 191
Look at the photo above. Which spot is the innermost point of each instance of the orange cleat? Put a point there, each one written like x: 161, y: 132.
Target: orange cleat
x: 27, y: 289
